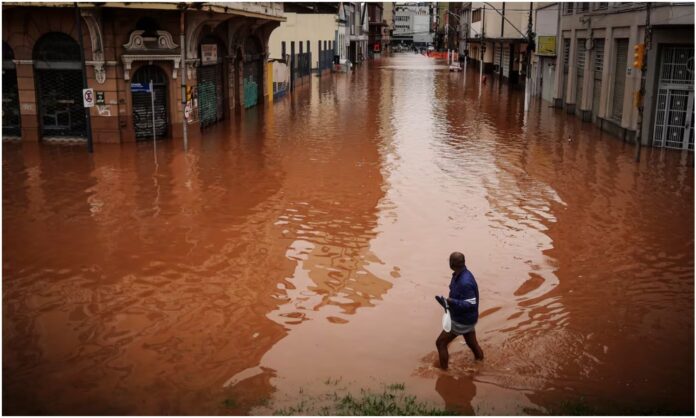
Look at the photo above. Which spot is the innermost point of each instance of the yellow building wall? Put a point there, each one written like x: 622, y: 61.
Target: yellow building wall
x: 302, y: 28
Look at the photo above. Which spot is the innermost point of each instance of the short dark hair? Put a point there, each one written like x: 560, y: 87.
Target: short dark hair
x: 457, y: 260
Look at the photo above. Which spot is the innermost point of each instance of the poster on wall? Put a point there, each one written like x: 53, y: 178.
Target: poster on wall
x: 208, y: 54
x: 546, y: 46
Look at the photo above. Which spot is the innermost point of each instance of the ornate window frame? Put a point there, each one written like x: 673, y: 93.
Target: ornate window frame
x: 129, y: 59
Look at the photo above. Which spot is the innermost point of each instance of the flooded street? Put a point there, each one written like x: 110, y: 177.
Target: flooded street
x: 297, y: 249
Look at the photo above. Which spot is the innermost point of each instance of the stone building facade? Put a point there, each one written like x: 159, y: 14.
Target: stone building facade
x: 127, y: 43
x: 595, y: 77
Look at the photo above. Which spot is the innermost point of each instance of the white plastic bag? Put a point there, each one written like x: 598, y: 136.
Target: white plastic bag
x: 447, y: 321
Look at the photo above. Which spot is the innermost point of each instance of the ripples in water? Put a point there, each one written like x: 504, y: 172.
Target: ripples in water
x: 305, y: 240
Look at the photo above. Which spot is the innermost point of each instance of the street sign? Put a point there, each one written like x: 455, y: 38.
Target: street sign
x: 187, y: 110
x: 546, y: 46
x: 140, y: 88
x: 208, y: 54
x: 88, y: 97
x: 100, y: 98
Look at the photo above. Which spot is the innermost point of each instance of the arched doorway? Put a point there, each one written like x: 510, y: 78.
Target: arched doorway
x: 58, y: 75
x: 142, y: 103
x: 253, y: 72
x: 211, y: 81
x: 10, y: 94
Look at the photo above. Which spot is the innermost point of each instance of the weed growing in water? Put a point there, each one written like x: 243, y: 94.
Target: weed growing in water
x: 229, y: 403
x: 396, y: 386
x: 391, y: 401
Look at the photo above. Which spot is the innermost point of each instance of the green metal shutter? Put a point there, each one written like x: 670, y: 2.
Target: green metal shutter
x: 252, y: 81
x: 207, y: 95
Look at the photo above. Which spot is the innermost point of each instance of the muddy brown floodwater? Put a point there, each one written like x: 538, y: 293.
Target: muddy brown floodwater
x: 302, y: 244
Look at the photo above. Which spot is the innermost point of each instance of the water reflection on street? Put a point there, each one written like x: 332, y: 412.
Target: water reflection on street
x: 304, y: 241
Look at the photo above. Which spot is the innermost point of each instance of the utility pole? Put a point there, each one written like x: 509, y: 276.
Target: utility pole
x: 502, y: 36
x: 446, y: 40
x: 483, y: 47
x: 647, y: 41
x: 466, y: 41
x: 88, y: 120
x: 184, y: 122
x: 528, y: 61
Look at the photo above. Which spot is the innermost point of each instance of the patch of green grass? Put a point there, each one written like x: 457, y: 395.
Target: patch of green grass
x: 325, y: 411
x: 299, y: 409
x: 385, y: 403
x: 396, y: 386
x: 265, y: 401
x: 229, y: 403
x: 331, y: 381
x: 390, y: 401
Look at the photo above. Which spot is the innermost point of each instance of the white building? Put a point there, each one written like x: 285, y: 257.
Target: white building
x: 357, y: 30
x: 412, y: 24
x: 496, y: 37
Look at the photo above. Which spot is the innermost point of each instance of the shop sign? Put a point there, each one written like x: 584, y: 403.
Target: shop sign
x: 546, y: 45
x: 208, y: 54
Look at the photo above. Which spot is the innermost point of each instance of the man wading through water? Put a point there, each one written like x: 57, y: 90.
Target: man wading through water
x: 463, y: 302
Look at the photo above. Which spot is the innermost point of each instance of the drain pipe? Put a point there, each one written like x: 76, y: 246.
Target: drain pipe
x: 88, y: 119
x: 528, y: 60
x: 184, y: 122
x: 483, y: 47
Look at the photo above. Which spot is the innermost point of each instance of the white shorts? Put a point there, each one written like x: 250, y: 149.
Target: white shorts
x: 461, y: 329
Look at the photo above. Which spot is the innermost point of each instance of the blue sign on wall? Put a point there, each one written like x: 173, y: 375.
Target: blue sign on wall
x: 140, y: 88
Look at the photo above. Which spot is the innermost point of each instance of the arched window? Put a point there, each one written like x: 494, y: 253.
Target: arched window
x: 57, y: 47
x: 150, y: 72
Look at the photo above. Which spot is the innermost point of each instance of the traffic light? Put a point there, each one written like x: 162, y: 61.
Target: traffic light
x: 638, y: 55
x: 638, y: 99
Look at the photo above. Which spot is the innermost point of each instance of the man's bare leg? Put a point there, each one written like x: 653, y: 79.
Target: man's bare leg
x: 470, y: 338
x: 442, y: 342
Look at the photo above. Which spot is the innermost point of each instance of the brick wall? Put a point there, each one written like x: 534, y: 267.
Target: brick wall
x: 113, y: 121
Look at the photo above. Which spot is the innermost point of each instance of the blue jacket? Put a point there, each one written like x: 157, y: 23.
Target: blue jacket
x: 464, y: 298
